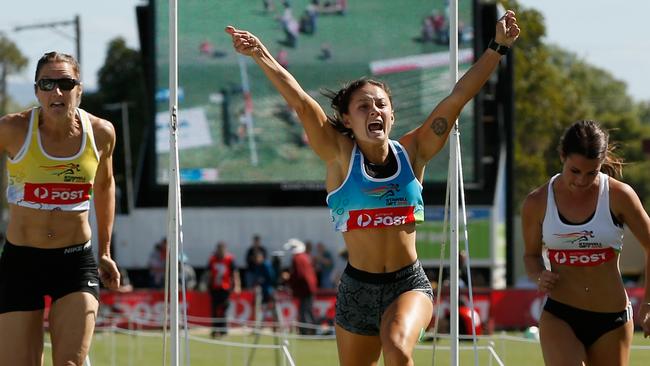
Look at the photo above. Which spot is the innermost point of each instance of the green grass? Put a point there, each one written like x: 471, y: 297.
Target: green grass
x: 123, y: 349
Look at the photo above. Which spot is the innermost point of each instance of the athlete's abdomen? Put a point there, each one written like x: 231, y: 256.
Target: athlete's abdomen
x: 380, y: 250
x: 47, y: 229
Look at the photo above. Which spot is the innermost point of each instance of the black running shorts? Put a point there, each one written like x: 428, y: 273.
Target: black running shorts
x: 27, y: 274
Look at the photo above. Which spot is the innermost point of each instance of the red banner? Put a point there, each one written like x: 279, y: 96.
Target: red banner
x: 498, y: 309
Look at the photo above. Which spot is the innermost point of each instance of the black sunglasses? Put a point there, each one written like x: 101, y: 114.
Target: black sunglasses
x: 65, y: 84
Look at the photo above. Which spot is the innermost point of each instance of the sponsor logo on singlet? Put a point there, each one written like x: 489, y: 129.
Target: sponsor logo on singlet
x: 578, y: 257
x: 580, y: 238
x: 388, y: 193
x: 68, y: 171
x: 380, y: 217
x: 57, y: 193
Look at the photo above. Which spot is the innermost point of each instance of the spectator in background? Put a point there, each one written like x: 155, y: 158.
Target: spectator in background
x: 186, y: 271
x: 325, y: 52
x: 283, y: 58
x: 269, y: 6
x: 324, y: 264
x: 224, y: 278
x: 263, y: 275
x: 256, y: 246
x: 290, y: 26
x: 303, y: 282
x: 157, y: 260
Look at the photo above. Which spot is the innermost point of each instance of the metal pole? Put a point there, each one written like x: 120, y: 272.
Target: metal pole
x: 174, y: 183
x: 77, y: 25
x: 454, y: 162
x: 248, y: 109
x: 76, y: 22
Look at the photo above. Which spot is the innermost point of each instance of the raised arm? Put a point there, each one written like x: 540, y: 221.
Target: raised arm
x: 322, y: 137
x: 428, y: 139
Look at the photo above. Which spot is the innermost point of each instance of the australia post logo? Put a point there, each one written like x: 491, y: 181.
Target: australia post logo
x: 57, y: 193
x: 592, y: 257
x: 380, y: 217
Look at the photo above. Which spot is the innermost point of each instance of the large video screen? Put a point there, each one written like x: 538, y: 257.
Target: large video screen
x: 235, y: 129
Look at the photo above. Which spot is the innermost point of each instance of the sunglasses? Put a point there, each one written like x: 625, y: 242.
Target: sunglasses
x: 65, y: 84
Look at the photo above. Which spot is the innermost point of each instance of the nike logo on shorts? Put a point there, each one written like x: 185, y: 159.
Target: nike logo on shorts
x: 92, y: 284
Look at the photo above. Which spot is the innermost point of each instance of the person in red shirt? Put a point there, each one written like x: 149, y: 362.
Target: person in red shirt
x: 303, y: 282
x: 224, y: 278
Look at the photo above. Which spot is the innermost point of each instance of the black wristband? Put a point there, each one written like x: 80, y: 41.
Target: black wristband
x: 501, y: 49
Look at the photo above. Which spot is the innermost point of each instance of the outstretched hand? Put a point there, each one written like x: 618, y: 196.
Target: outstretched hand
x: 243, y: 41
x: 507, y: 30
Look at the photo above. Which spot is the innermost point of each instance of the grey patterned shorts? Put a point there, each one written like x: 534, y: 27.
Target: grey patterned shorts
x: 363, y: 296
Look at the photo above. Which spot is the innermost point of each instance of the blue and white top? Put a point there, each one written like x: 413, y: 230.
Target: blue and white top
x: 365, y: 202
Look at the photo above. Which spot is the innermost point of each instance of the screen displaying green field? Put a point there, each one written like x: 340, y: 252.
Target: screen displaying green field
x: 229, y: 136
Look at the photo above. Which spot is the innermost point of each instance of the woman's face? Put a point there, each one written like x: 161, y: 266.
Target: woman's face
x: 370, y: 114
x: 58, y: 102
x: 579, y: 172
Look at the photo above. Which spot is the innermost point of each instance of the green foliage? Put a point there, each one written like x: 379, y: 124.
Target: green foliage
x: 12, y: 61
x: 554, y: 88
x: 121, y: 80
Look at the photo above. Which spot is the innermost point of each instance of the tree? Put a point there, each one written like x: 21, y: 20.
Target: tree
x: 553, y: 88
x: 11, y: 61
x: 121, y: 80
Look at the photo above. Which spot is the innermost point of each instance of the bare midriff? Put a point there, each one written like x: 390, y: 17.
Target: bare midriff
x: 596, y: 288
x: 47, y: 229
x: 379, y: 250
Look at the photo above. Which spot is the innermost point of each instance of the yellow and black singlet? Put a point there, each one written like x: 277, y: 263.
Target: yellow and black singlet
x: 41, y: 181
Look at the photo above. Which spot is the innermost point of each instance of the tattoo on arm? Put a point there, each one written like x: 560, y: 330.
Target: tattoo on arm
x: 439, y: 126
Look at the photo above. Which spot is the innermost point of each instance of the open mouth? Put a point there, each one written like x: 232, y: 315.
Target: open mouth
x: 57, y: 104
x: 375, y: 126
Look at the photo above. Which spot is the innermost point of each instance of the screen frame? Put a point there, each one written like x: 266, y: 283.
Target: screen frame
x: 151, y: 193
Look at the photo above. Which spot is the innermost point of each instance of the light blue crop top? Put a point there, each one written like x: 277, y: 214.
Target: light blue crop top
x: 366, y: 202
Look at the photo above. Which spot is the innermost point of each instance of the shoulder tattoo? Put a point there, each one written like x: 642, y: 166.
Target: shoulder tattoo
x: 439, y: 126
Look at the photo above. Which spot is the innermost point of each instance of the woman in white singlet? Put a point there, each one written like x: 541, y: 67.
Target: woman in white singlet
x: 578, y: 217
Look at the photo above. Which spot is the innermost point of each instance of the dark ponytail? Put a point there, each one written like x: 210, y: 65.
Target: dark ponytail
x: 589, y: 139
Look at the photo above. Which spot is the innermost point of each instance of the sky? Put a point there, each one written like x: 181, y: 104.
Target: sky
x: 101, y: 21
x: 612, y: 35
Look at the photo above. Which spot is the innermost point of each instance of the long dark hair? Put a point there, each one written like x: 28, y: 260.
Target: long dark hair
x: 340, y: 101
x: 589, y: 139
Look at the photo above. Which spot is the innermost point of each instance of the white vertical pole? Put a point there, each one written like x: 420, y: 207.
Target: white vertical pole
x: 454, y: 162
x: 174, y: 184
x: 248, y: 109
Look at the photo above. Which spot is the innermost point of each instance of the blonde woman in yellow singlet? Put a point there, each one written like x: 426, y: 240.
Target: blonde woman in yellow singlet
x: 58, y: 157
